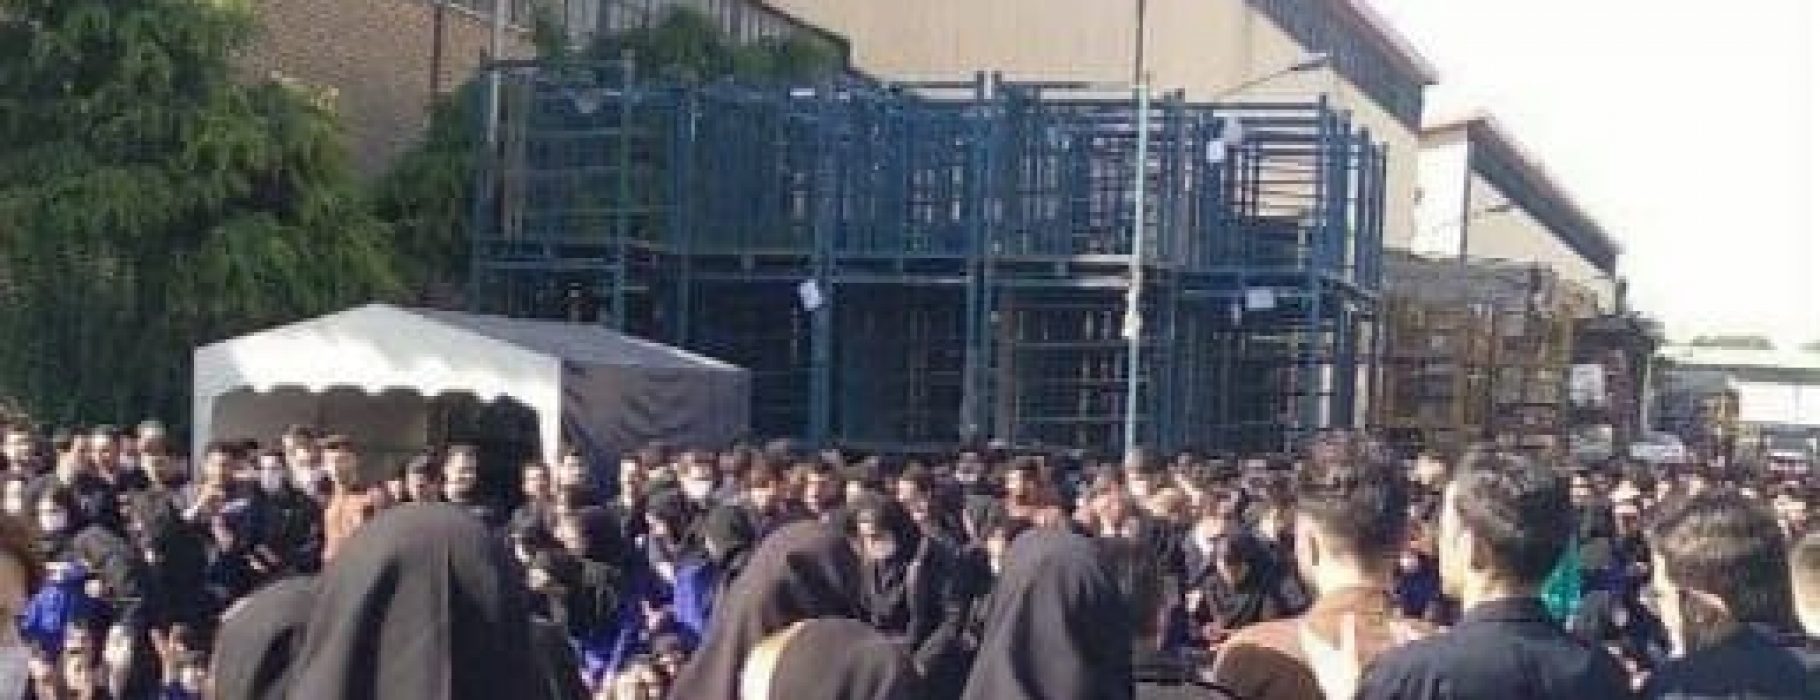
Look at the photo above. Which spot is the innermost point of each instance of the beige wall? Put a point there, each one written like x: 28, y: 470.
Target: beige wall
x: 373, y: 57
x: 1517, y: 236
x: 1205, y: 47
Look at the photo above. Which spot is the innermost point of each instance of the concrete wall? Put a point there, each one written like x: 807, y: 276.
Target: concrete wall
x: 1515, y: 235
x: 374, y: 58
x: 1205, y: 47
x: 1441, y: 196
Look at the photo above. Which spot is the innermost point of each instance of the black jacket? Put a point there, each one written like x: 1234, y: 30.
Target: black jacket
x: 1502, y: 649
x: 1754, y: 663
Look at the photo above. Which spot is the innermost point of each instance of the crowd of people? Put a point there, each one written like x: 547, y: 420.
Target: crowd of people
x: 299, y: 569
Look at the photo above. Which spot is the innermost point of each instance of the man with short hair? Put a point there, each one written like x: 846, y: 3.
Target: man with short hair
x: 461, y: 485
x: 111, y: 465
x: 20, y: 448
x: 1350, y: 523
x: 1505, y: 522
x: 354, y: 500
x: 1722, y: 586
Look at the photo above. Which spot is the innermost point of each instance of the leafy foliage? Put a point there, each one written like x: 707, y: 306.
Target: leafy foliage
x: 150, y: 202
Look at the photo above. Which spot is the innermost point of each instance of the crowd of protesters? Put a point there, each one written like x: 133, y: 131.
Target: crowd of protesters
x: 299, y: 570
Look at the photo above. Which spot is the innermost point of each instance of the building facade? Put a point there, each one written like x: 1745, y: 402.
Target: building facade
x: 1212, y: 50
x: 1483, y: 197
x: 382, y: 63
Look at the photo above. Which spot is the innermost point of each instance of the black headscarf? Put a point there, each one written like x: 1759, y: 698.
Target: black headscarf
x: 1058, y: 627
x: 841, y: 659
x: 259, y: 639
x: 607, y: 541
x: 733, y: 534
x: 1258, y: 595
x: 885, y: 588
x: 805, y: 570
x: 423, y: 602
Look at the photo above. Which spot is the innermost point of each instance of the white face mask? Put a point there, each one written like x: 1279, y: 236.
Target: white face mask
x: 305, y: 477
x: 697, y: 489
x: 272, y: 480
x: 118, y: 653
x: 53, y: 522
x: 881, y: 550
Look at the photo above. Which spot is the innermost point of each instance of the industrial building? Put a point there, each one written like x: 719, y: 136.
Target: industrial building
x: 1505, y: 310
x: 930, y: 253
x: 1741, y: 404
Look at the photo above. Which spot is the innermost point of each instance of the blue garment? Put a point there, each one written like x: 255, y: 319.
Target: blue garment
x: 175, y: 691
x: 627, y: 637
x: 697, y: 582
x: 54, y: 607
x: 1415, y: 591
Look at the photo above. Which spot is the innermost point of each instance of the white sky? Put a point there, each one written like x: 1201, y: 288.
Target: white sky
x: 1688, y: 128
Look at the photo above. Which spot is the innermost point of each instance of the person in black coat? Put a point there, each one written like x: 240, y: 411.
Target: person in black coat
x: 1504, y: 524
x: 1722, y: 579
x: 1058, y: 628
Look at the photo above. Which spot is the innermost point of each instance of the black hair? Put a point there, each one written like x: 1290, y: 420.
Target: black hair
x: 1519, y: 509
x: 1357, y: 495
x: 1729, y: 546
x: 1144, y: 581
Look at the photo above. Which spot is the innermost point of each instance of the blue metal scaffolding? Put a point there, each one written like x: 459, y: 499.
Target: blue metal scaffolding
x: 969, y: 243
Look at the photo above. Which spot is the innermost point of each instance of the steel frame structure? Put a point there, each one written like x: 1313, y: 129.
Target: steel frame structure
x: 971, y: 242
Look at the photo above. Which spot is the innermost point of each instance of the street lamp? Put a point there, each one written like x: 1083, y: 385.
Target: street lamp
x: 1310, y: 62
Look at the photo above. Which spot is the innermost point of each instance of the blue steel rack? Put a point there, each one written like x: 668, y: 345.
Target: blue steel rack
x: 971, y: 240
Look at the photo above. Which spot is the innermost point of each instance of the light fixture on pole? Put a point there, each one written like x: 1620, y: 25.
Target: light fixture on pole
x: 1310, y: 62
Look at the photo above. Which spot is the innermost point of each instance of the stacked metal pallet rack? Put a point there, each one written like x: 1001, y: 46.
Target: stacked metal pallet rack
x: 919, y: 264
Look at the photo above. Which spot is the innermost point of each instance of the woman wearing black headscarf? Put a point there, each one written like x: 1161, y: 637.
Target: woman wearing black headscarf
x: 1058, y: 627
x: 724, y: 541
x: 424, y: 603
x: 909, y: 591
x: 804, y: 570
x: 829, y: 659
x: 259, y: 639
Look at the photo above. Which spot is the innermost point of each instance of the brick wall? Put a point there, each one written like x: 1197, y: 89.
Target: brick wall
x: 373, y: 57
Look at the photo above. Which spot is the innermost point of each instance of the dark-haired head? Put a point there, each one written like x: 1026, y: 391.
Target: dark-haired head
x: 1351, y: 507
x: 1721, y: 554
x: 1505, y: 521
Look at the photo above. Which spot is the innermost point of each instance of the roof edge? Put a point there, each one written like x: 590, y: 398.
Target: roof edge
x: 1483, y: 127
x: 1382, y: 32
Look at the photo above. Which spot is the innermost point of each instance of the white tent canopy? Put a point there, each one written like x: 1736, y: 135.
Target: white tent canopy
x: 371, y: 371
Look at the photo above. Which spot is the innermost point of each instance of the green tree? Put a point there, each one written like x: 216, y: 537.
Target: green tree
x: 149, y: 202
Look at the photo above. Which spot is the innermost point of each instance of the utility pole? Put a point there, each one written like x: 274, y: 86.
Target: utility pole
x: 1137, y: 63
x: 1134, y: 310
